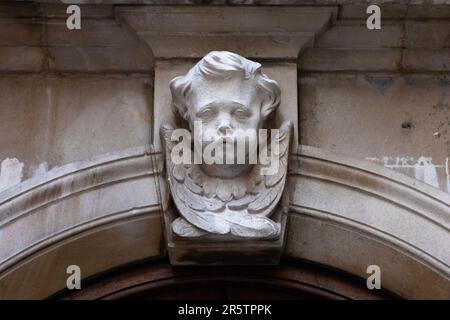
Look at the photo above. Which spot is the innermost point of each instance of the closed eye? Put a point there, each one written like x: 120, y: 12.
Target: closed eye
x: 241, y: 113
x: 206, y: 114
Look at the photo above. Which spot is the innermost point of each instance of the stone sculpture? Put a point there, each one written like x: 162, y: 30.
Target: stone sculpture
x: 221, y: 101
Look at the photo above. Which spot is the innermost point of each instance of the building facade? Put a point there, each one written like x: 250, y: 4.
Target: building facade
x: 82, y: 178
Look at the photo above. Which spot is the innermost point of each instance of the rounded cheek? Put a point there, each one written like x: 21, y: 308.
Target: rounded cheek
x: 250, y: 123
x: 208, y: 133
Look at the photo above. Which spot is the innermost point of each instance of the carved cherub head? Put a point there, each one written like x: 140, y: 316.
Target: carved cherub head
x: 227, y: 94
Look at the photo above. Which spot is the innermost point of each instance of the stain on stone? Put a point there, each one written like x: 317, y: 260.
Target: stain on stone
x: 408, y: 125
x: 145, y: 116
x: 443, y: 80
x: 11, y: 171
x: 41, y: 169
x: 441, y: 105
x: 45, y: 195
x: 382, y: 83
x: 409, y: 81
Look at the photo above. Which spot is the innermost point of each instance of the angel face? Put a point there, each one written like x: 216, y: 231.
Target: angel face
x: 230, y: 97
x: 226, y: 109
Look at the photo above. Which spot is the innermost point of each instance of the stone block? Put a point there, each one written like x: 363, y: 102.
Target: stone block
x: 58, y: 120
x: 100, y: 59
x: 358, y: 36
x: 425, y: 60
x: 353, y: 11
x: 321, y: 59
x: 21, y: 59
x: 14, y: 32
x: 58, y: 10
x: 437, y: 11
x: 15, y: 9
x: 383, y: 115
x: 427, y: 34
x: 104, y: 33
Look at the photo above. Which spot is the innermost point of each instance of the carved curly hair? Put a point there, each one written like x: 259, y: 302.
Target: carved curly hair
x: 224, y: 65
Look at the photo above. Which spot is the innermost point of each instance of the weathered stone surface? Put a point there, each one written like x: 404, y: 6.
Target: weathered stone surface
x: 58, y: 120
x: 367, y: 96
x: 89, y: 11
x: 97, y: 33
x: 424, y: 60
x: 11, y: 9
x: 167, y: 20
x: 175, y: 32
x: 383, y: 115
x: 397, y: 11
x: 97, y: 214
x: 347, y: 59
x: 99, y: 59
x: 371, y: 216
x: 428, y: 34
x: 21, y: 59
x: 358, y: 11
x: 358, y: 36
x: 95, y: 251
x: 15, y: 32
x: 437, y: 11
x: 11, y: 172
x: 276, y: 46
x: 372, y: 221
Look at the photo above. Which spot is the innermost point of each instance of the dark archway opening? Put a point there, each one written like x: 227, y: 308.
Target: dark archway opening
x: 160, y: 280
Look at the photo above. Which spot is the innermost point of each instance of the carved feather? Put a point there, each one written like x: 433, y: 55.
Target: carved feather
x: 185, y: 229
x: 247, y: 225
x: 269, y: 196
x: 208, y: 203
x: 241, y: 203
x: 196, y: 209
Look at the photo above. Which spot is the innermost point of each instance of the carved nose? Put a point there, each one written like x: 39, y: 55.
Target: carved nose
x: 223, y: 128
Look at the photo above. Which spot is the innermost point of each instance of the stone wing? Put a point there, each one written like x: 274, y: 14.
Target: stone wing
x: 270, y: 191
x: 200, y: 211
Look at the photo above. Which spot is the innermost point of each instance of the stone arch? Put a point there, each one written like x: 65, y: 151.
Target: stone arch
x: 292, y: 279
x: 104, y: 213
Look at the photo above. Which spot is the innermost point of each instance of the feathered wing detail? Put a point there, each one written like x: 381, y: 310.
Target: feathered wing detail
x: 252, y: 226
x: 271, y: 190
x: 181, y: 227
x: 196, y: 209
x: 214, y: 210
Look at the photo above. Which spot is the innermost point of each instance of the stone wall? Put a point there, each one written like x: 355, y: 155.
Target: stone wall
x: 68, y: 95
x: 382, y: 95
x: 379, y: 95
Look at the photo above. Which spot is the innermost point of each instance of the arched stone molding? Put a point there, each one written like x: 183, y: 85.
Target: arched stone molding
x: 350, y: 214
x: 97, y: 214
x: 290, y: 280
x: 105, y: 212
